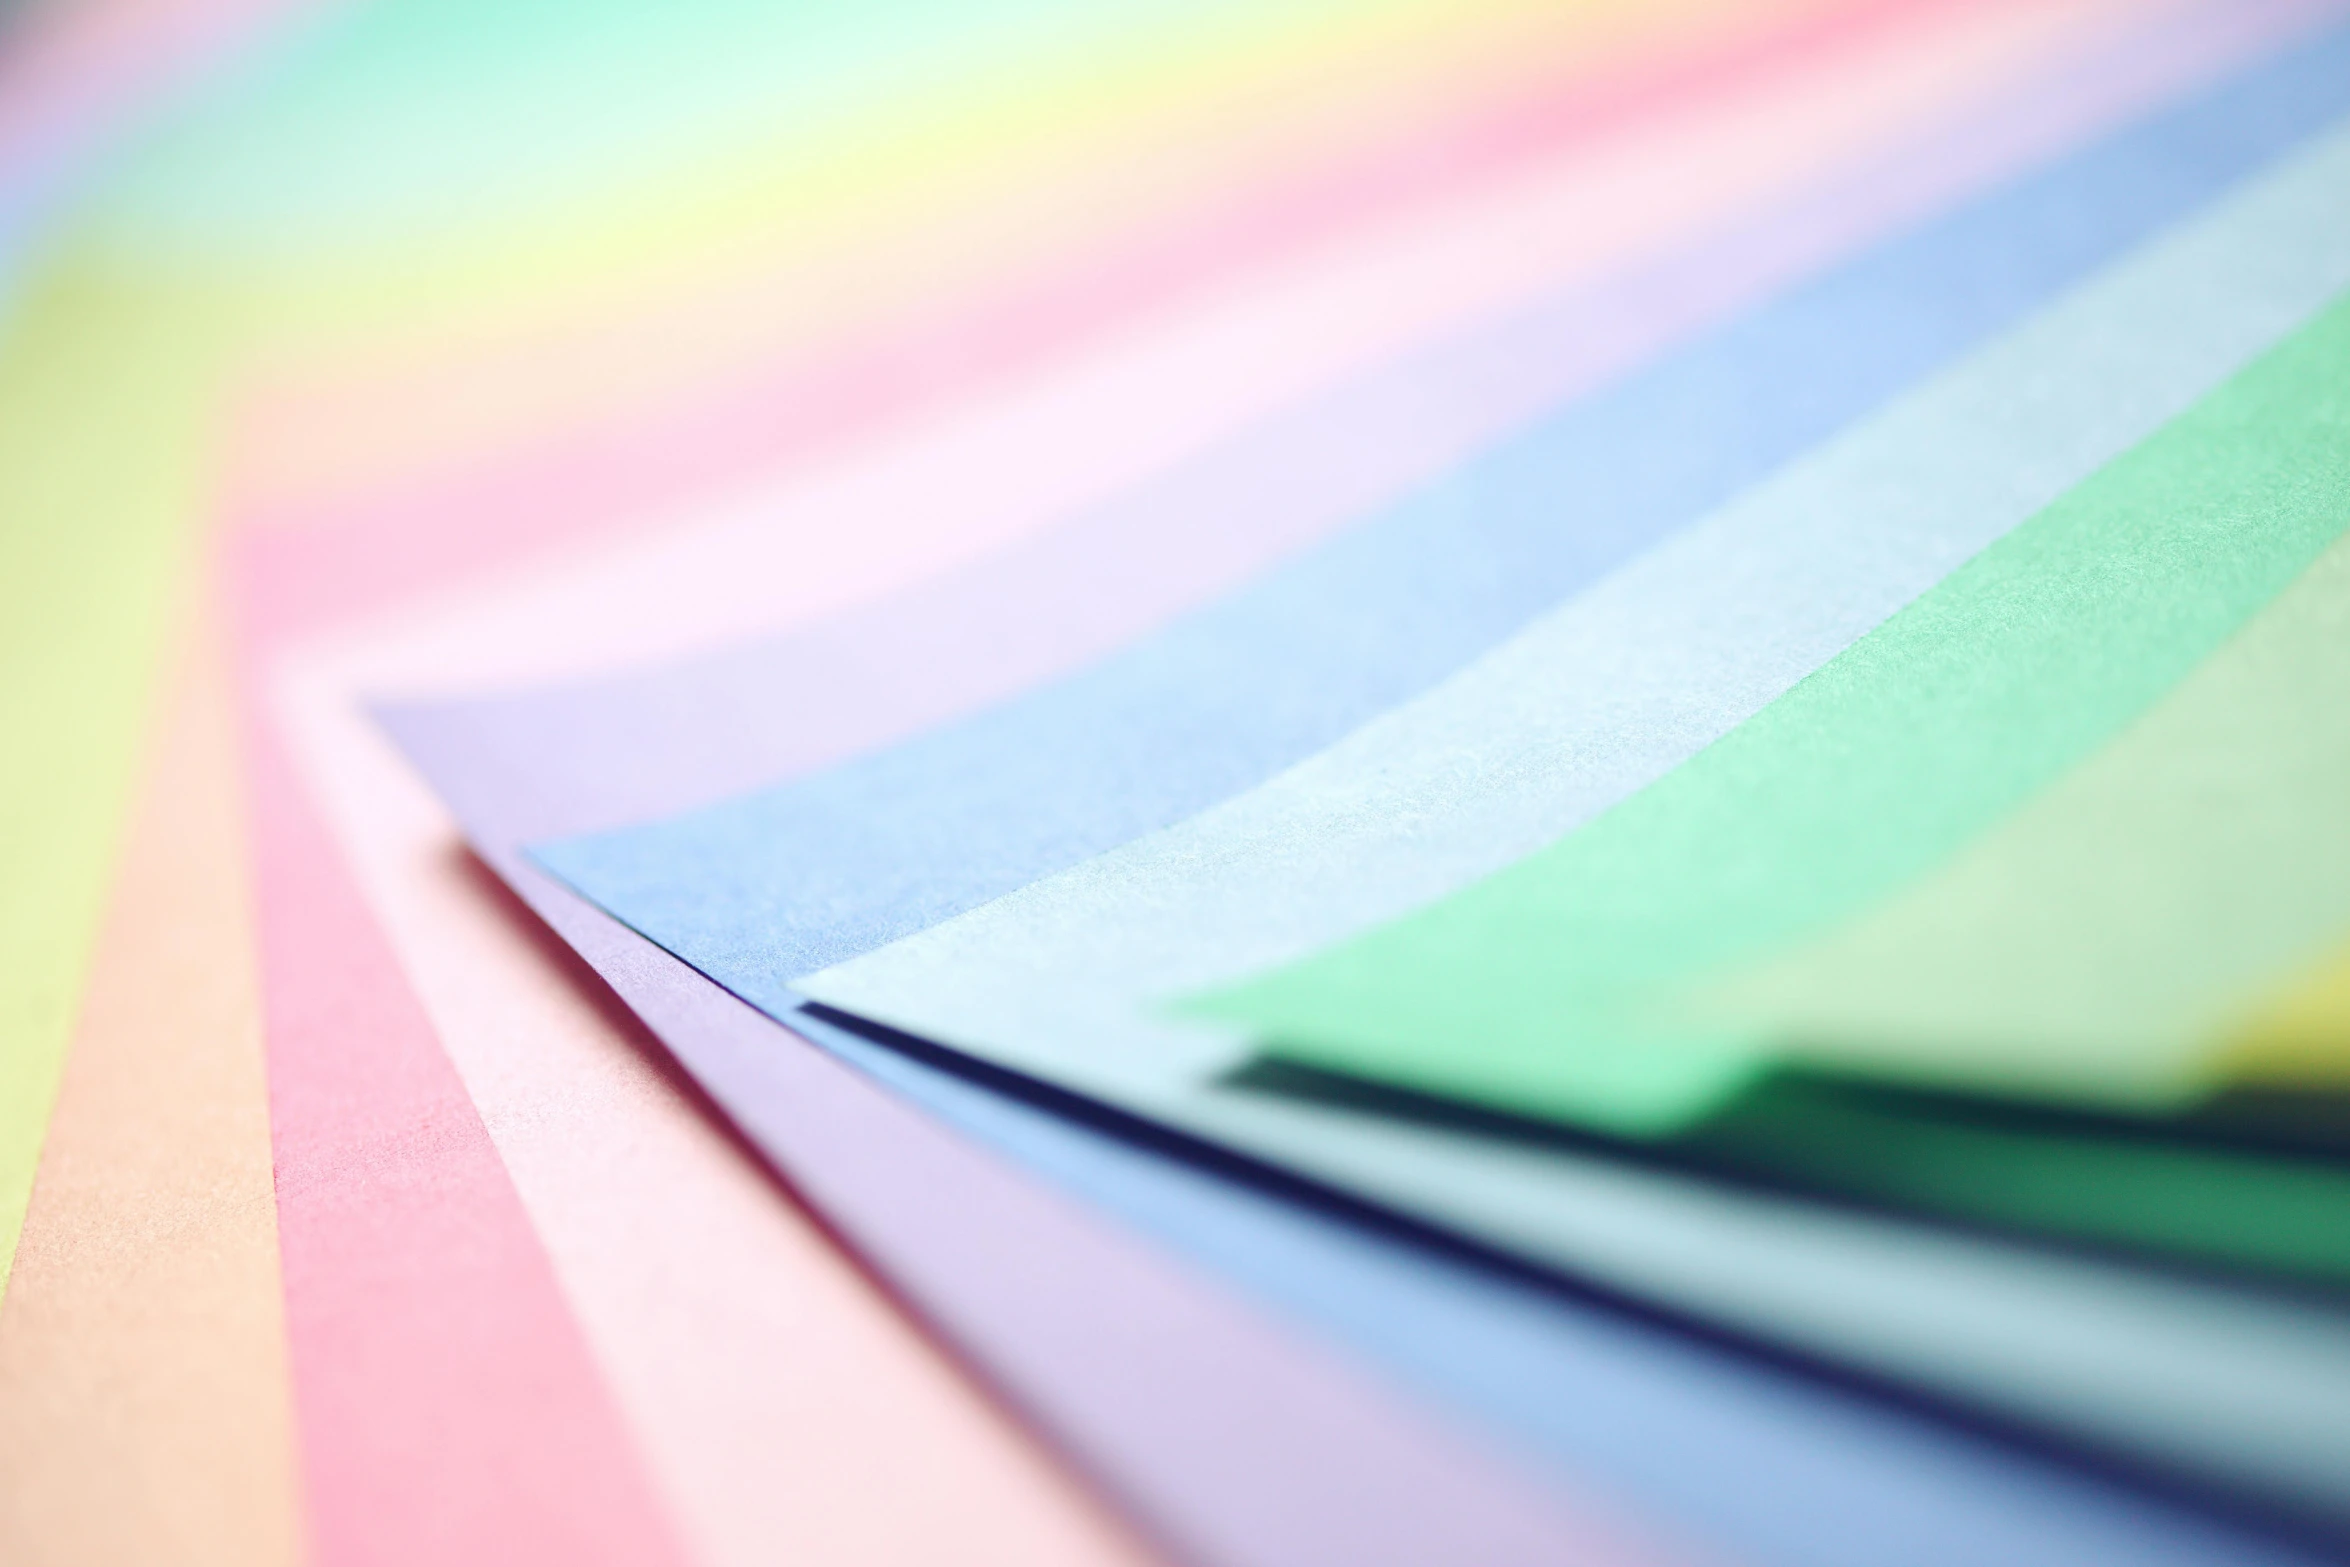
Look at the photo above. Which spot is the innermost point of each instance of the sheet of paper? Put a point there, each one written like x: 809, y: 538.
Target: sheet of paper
x: 86, y: 368
x: 144, y: 1403
x: 782, y: 882
x: 734, y: 1073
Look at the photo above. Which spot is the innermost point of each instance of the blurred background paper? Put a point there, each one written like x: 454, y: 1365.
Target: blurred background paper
x: 79, y: 77
x: 1157, y: 193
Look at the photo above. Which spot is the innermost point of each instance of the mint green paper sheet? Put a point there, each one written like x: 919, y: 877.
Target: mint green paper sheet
x: 1561, y: 985
x: 1063, y: 979
x: 2098, y: 944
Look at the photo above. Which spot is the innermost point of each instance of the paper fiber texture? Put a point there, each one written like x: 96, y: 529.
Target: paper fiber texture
x: 144, y: 1408
x: 1564, y: 969
x: 760, y: 1103
x: 894, y: 842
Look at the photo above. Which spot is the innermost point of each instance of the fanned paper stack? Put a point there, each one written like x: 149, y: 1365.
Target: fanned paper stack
x: 1250, y: 785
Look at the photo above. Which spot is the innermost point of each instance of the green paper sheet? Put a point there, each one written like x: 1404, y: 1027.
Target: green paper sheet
x: 1562, y: 985
x: 2098, y: 944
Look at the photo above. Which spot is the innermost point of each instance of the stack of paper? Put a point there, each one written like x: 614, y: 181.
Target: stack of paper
x: 1331, y: 781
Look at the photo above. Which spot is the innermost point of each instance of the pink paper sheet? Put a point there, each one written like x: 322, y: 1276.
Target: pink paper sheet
x: 446, y: 1407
